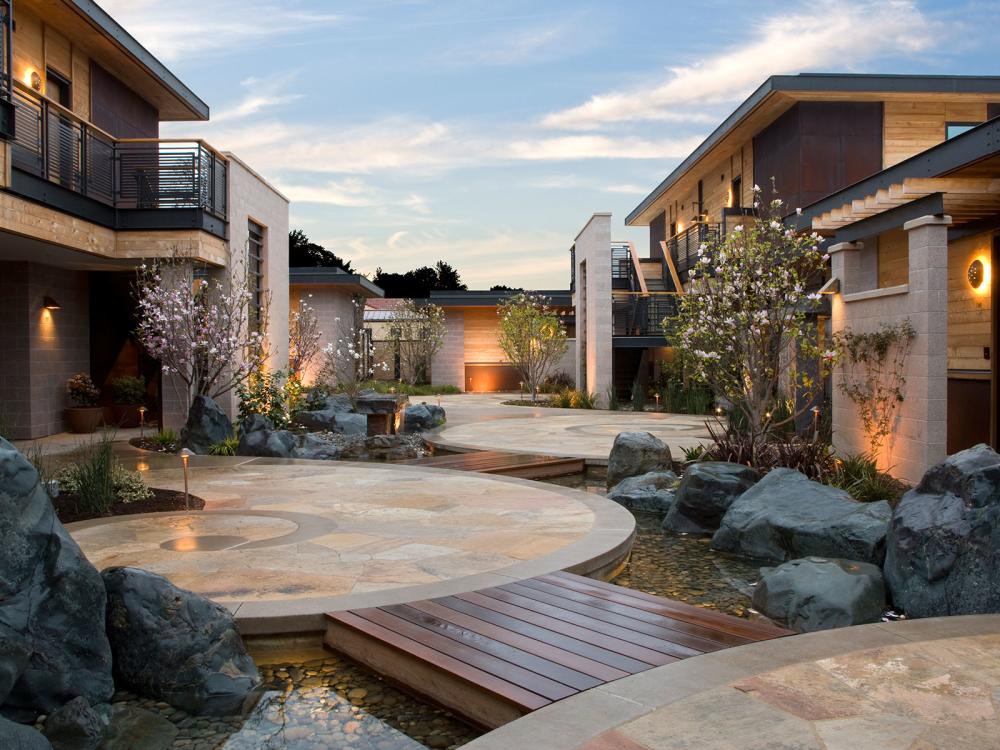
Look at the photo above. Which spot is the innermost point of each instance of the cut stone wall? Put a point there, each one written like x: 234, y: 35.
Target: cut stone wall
x: 592, y: 301
x: 448, y: 365
x: 334, y: 309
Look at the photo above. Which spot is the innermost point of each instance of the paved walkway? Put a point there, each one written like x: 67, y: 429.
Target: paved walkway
x: 912, y: 685
x: 482, y: 422
x: 282, y: 542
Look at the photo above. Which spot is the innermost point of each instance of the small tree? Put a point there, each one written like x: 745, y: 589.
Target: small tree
x: 350, y: 361
x: 417, y: 333
x: 303, y: 339
x: 531, y: 336
x: 873, y: 376
x: 210, y: 335
x: 745, y: 322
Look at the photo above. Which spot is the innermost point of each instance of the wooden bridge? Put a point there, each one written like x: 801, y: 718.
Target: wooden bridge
x: 524, y: 465
x: 496, y: 654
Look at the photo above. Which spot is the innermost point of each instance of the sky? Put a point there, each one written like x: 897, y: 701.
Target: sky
x: 485, y: 133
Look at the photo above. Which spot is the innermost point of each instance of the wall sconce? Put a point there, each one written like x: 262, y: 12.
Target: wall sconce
x: 830, y: 287
x: 36, y: 81
x: 50, y: 304
x: 978, y: 273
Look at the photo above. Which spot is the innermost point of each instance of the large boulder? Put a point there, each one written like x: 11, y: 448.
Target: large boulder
x: 350, y: 424
x: 337, y: 405
x: 51, y: 603
x: 175, y: 645
x: 206, y: 425
x: 705, y: 494
x: 421, y: 417
x: 20, y: 737
x: 134, y: 728
x: 76, y: 726
x: 259, y: 438
x: 652, y: 492
x: 818, y: 593
x: 635, y: 453
x: 943, y: 546
x: 317, y: 448
x: 785, y: 516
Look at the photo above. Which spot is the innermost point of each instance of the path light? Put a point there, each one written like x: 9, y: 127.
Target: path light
x: 142, y: 422
x: 185, y: 455
x: 657, y: 397
x: 815, y: 411
x: 718, y: 411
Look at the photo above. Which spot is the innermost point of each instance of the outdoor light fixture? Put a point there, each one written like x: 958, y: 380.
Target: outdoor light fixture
x: 50, y: 304
x: 978, y: 273
x: 830, y: 287
x: 185, y: 455
x: 142, y: 422
x: 36, y: 81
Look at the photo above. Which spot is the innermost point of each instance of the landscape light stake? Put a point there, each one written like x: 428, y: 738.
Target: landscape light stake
x: 185, y: 455
x: 657, y: 397
x: 815, y: 411
x: 142, y: 423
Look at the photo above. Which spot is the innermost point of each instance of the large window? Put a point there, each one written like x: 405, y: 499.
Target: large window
x: 255, y: 272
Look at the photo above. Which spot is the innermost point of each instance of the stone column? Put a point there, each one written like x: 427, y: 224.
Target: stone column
x: 595, y: 328
x: 923, y: 429
x: 845, y: 265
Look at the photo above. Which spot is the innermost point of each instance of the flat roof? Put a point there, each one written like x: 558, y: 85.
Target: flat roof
x: 492, y: 298
x: 109, y: 26
x: 831, y: 82
x: 332, y: 277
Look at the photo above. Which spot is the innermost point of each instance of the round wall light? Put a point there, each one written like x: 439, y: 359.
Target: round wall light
x: 977, y: 273
x: 36, y: 81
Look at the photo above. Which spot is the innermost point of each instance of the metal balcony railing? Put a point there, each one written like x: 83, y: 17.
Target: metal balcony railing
x: 683, y: 246
x: 55, y: 145
x: 642, y: 314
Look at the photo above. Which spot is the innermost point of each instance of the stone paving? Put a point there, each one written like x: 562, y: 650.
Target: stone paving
x: 483, y: 422
x: 292, y: 539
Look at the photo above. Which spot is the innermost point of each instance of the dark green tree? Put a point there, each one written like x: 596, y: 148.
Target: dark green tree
x: 304, y: 253
x: 419, y: 282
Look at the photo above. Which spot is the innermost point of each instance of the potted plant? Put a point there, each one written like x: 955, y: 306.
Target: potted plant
x: 129, y: 393
x: 84, y: 416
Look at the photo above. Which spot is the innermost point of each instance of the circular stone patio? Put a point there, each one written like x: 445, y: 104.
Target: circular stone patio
x: 281, y: 542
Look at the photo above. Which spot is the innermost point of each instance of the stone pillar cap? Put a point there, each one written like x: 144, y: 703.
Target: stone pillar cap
x: 842, y: 246
x: 929, y: 220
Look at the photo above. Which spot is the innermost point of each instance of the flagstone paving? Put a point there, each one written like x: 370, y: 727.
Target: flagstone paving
x: 281, y: 542
x: 483, y: 422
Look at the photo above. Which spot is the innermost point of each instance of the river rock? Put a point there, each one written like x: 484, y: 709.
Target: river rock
x: 175, y: 645
x: 134, y: 728
x: 786, y: 515
x: 51, y: 602
x: 76, y: 726
x: 206, y: 425
x: 652, y: 492
x: 423, y: 416
x: 818, y: 593
x: 635, y: 453
x: 705, y: 494
x: 15, y: 736
x: 943, y: 546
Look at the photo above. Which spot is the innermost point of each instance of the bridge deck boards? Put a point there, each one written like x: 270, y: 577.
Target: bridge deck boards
x: 496, y: 654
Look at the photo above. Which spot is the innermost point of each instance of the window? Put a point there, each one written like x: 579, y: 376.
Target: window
x: 736, y: 191
x: 57, y: 88
x: 255, y: 272
x: 951, y: 129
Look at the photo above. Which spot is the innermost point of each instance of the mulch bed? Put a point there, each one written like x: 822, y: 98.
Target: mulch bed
x: 151, y: 445
x: 68, y: 510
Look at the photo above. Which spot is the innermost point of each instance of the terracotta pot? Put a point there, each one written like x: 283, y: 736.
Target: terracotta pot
x: 84, y: 419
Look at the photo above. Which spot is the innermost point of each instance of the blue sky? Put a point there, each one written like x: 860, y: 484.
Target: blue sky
x: 486, y: 133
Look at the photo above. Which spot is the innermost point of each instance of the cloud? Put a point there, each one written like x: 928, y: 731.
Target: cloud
x: 175, y: 30
x: 261, y: 93
x: 600, y: 147
x: 351, y: 193
x: 833, y: 33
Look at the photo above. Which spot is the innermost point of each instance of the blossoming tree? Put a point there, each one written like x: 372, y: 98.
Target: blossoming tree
x: 417, y: 334
x: 745, y: 323
x: 350, y: 361
x: 209, y: 334
x: 531, y: 336
x: 303, y: 339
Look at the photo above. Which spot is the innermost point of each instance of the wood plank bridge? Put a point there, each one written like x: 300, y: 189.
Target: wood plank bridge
x: 496, y: 654
x: 524, y: 465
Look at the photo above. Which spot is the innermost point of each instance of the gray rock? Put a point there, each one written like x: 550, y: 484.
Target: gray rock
x: 371, y: 402
x: 316, y: 448
x: 350, y: 424
x: 75, y: 726
x: 635, y: 453
x: 259, y: 438
x: 206, y: 425
x: 705, y: 494
x: 785, y: 516
x: 818, y: 593
x: 652, y: 492
x: 175, y: 645
x: 943, y: 546
x: 338, y: 402
x: 20, y: 737
x: 51, y: 602
x: 316, y: 420
x: 134, y: 728
x: 422, y: 416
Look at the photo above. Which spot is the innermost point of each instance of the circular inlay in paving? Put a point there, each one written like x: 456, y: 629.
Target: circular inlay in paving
x: 211, y: 543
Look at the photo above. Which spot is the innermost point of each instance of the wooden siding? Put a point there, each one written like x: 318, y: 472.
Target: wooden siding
x: 915, y: 126
x: 893, y: 259
x: 968, y: 310
x: 119, y: 110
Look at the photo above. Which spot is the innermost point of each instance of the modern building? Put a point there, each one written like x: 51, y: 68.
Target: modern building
x: 471, y: 358
x: 89, y: 190
x: 846, y: 148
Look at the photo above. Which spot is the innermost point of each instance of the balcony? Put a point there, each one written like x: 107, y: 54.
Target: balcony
x: 683, y: 246
x: 642, y: 314
x: 72, y: 165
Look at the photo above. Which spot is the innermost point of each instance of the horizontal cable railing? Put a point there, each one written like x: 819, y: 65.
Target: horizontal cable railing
x: 146, y: 173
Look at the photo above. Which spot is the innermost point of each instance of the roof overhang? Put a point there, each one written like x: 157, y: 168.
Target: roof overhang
x: 352, y: 283
x: 785, y: 90
x: 490, y: 298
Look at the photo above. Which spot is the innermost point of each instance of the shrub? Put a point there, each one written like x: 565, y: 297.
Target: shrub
x: 128, y: 390
x: 166, y: 439
x: 262, y: 393
x: 99, y: 480
x: 556, y: 382
x: 82, y: 391
x: 572, y: 399
x: 226, y: 448
x: 613, y: 403
x: 814, y: 458
x: 860, y: 476
x: 694, y: 453
x: 638, y: 397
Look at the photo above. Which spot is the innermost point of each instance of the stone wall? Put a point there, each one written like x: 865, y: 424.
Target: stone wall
x: 334, y: 308
x: 448, y: 365
x: 592, y: 300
